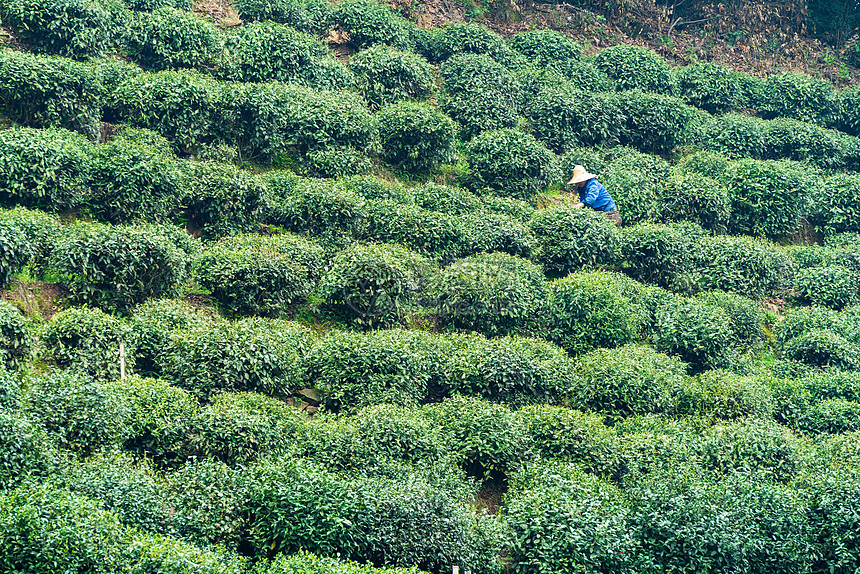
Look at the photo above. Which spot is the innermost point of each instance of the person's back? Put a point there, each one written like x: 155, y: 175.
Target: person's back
x: 593, y: 194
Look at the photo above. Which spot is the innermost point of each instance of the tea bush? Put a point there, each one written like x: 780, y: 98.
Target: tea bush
x: 696, y: 198
x: 151, y: 324
x: 822, y: 348
x: 311, y: 16
x: 385, y: 75
x: 661, y: 254
x: 636, y: 68
x: 848, y: 117
x: 786, y: 138
x: 721, y: 394
x: 248, y: 355
x: 700, y: 334
x: 133, y: 182
x: 653, y: 123
x: 633, y: 179
x: 833, y: 497
x: 455, y: 38
x: 369, y: 22
x: 314, y: 207
x: 549, y: 49
x: 168, y: 38
x: 734, y: 136
x: 488, y: 231
x: 751, y: 267
x: 83, y: 415
x: 478, y: 93
x: 35, y: 243
x: 415, y: 136
x: 745, y: 315
x: 181, y: 106
x: 283, y: 564
x: 430, y: 233
x: 804, y: 319
x: 40, y: 91
x: 797, y: 96
x: 15, y: 341
x: 265, y: 51
x: 564, y: 117
x: 512, y: 370
x: 27, y: 451
x: 374, y: 285
x: 491, y: 293
x: 87, y: 340
x: 15, y: 250
x: 46, y: 169
x: 118, y: 267
x: 706, y: 163
x: 222, y: 199
x: 259, y: 275
x: 588, y: 309
x: 569, y: 239
x: 833, y: 204
x: 710, y: 86
x: 833, y: 286
x: 510, y: 163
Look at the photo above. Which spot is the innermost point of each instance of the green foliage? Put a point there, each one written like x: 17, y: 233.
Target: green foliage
x: 700, y: 334
x: 15, y: 341
x: 457, y: 38
x: 491, y: 293
x: 26, y: 449
x: 83, y: 415
x: 374, y: 285
x: 734, y: 135
x: 370, y: 22
x: 118, y: 267
x: 181, y: 106
x: 569, y: 239
x: 797, y: 96
x: 14, y: 251
x: 511, y: 163
x: 834, y: 286
x: 511, y: 370
x: 151, y: 324
x: 849, y: 112
x: 153, y: 554
x: 803, y: 141
x: 430, y: 233
x: 696, y: 198
x: 653, y: 123
x: 265, y: 51
x: 721, y: 394
x: 415, y: 136
x: 564, y: 117
x: 823, y: 348
x: 169, y: 38
x: 710, y: 86
x: 259, y: 275
x: 488, y: 231
x: 588, y: 309
x: 249, y: 355
x: 311, y: 16
x: 661, y: 254
x: 304, y: 561
x: 47, y: 169
x: 834, y: 498
x: 87, y: 340
x: 40, y: 231
x: 750, y: 267
x: 43, y: 91
x: 478, y: 93
x: 636, y: 68
x: 549, y: 49
x: 634, y: 180
x: 834, y: 203
x: 385, y: 75
x: 222, y: 199
x: 746, y: 316
x: 706, y: 163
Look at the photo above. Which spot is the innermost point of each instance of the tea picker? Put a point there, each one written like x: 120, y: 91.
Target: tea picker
x: 592, y: 194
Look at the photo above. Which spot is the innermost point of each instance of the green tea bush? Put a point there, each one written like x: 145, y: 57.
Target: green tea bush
x: 696, y: 198
x: 169, y: 38
x: 706, y: 163
x: 634, y: 180
x: 132, y: 182
x: 588, y: 309
x: 848, y: 116
x: 118, y: 267
x: 41, y: 91
x: 833, y: 500
x: 833, y: 204
x: 823, y: 348
x: 159, y: 416
x: 797, y: 96
x: 45, y: 169
x: 721, y: 394
x: 710, y: 86
x: 315, y: 207
x: 15, y: 251
x: 748, y: 266
x: 156, y: 553
x: 562, y: 519
x: 222, y: 199
x: 487, y: 231
x: 415, y: 136
x: 430, y: 233
x: 549, y: 49
x: 510, y: 163
x: 151, y: 324
x: 585, y: 156
x: 441, y: 197
x: 478, y: 93
x: 636, y: 68
x: 628, y: 381
x: 249, y: 355
x: 369, y: 22
x: 653, y: 123
x: 374, y: 285
x: 569, y: 239
x: 15, y: 342
x: 265, y: 51
x: 10, y: 389
x: 311, y: 16
x: 40, y: 232
x: 734, y: 136
x: 236, y: 428
x: 491, y: 293
x: 511, y: 370
x: 83, y: 415
x: 804, y: 319
x: 181, y: 106
x: 150, y: 5
x: 565, y: 117
x: 259, y: 275
x: 457, y: 38
x: 385, y: 75
x: 87, y: 340
x: 305, y: 561
x: 832, y: 286
x: 27, y: 450
x: 353, y: 370
x: 661, y: 254
x: 75, y: 29
x: 786, y: 138
x: 745, y: 315
x: 335, y: 162
x: 700, y: 334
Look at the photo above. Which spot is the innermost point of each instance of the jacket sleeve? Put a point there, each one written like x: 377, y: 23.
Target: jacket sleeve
x: 591, y: 191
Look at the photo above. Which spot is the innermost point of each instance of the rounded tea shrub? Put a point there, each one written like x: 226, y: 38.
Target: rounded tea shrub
x: 565, y: 117
x: 823, y: 348
x: 374, y: 285
x: 385, y: 75
x: 456, y: 38
x: 510, y: 163
x: 87, y: 340
x: 151, y: 323
x: 633, y: 179
x: 710, y: 86
x: 15, y: 342
x: 569, y: 239
x: 548, y: 49
x: 636, y: 68
x: 430, y: 233
x: 661, y: 254
x: 169, y: 38
x: 834, y: 204
x: 223, y: 199
x: 746, y: 315
x: 696, y: 198
x: 797, y: 96
x: 834, y: 286
x: 721, y: 394
x: 733, y: 135
x: 748, y: 266
x: 698, y: 333
x: 653, y: 123
x: 311, y: 16
x: 491, y: 293
x: 415, y: 136
x: 488, y: 231
x: 588, y: 309
x: 370, y: 22
x: 706, y: 163
x: 28, y: 238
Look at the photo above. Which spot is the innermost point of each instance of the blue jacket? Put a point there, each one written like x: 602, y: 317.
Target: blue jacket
x: 595, y: 196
